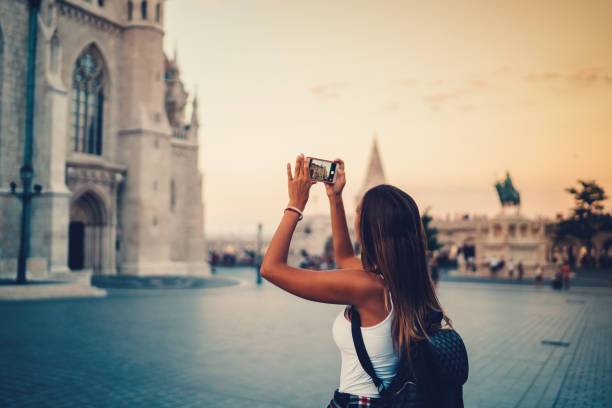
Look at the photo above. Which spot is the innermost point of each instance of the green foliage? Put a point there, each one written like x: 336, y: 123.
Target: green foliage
x: 588, y: 198
x: 430, y: 232
x: 587, y: 217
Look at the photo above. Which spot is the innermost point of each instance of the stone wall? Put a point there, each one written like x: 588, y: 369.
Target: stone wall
x: 187, y: 218
x: 14, y: 32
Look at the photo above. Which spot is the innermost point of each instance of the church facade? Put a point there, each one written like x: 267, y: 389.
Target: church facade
x: 507, y: 236
x: 112, y: 149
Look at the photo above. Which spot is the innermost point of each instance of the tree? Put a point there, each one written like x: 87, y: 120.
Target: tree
x: 430, y: 232
x: 587, y: 218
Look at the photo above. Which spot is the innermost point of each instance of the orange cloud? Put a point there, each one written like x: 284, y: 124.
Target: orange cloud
x: 588, y: 75
x: 541, y: 76
x: 392, y: 106
x: 477, y: 83
x: 404, y: 82
x: 443, y: 96
x: 328, y: 91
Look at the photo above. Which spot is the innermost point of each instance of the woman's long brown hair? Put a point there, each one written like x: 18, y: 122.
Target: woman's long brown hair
x: 394, y: 244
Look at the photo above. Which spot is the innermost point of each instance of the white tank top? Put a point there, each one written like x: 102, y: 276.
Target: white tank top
x: 379, y: 345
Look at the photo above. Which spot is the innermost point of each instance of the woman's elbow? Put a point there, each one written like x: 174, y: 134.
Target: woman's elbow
x: 270, y: 270
x: 265, y: 270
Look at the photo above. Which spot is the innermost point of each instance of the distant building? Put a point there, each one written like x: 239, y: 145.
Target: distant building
x: 507, y: 239
x: 374, y: 174
x: 318, y: 171
x: 503, y: 237
x: 116, y: 159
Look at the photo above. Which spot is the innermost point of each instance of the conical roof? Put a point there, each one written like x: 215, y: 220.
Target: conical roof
x: 375, y: 174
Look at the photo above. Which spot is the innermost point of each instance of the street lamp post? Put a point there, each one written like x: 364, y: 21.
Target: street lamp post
x: 258, y: 254
x: 27, y: 172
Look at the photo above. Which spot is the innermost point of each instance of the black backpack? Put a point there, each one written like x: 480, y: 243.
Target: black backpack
x: 435, y: 379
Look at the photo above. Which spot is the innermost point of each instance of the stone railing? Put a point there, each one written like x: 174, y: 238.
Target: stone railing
x: 179, y: 134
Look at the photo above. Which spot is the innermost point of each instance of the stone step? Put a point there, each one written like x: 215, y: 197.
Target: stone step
x: 48, y: 290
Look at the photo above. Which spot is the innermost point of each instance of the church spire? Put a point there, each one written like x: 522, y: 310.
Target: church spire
x: 375, y: 174
x: 194, y: 110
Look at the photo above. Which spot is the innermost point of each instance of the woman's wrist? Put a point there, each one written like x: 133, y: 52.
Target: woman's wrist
x: 335, y: 197
x: 299, y: 206
x: 294, y: 210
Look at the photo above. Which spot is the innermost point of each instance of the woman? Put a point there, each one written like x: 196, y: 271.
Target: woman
x: 389, y: 285
x: 538, y: 275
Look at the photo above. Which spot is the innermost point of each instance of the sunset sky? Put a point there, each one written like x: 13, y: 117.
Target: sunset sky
x: 457, y: 93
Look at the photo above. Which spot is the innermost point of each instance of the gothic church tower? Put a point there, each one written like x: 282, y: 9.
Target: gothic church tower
x: 113, y: 152
x: 374, y: 174
x: 144, y: 140
x: 162, y: 211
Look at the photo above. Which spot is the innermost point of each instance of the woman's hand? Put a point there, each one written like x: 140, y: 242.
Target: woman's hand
x: 335, y: 189
x: 300, y: 183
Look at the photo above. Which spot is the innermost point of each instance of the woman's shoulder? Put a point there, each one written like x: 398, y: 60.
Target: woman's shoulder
x: 369, y: 279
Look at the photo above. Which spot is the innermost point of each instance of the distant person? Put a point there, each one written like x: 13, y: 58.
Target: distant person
x: 331, y: 262
x: 388, y: 286
x: 461, y: 261
x: 214, y: 261
x: 521, y: 270
x: 472, y: 263
x: 538, y: 275
x: 493, y: 266
x: 565, y: 270
x: 434, y: 270
x: 305, y: 261
x: 557, y: 282
x: 510, y: 269
x: 571, y: 258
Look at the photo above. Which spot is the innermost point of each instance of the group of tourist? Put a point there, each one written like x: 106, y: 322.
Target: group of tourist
x: 317, y: 262
x: 499, y: 265
x: 562, y: 276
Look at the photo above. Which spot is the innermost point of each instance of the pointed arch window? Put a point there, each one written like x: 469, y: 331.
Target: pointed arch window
x: 130, y: 10
x: 88, y: 102
x: 54, y: 58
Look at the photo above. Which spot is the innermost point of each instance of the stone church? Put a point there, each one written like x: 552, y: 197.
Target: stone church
x: 113, y: 150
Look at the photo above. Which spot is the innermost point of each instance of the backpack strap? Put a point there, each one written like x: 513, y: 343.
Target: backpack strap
x: 362, y: 353
x: 422, y: 360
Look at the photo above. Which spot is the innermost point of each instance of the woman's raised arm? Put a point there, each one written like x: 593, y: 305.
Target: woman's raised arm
x: 343, y: 248
x: 334, y: 286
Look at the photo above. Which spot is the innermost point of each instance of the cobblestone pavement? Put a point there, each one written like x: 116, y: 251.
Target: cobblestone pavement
x: 260, y: 347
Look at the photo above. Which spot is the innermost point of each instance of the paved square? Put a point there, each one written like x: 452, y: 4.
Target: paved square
x: 260, y: 347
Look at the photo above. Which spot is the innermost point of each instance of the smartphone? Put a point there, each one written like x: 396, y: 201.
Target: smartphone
x: 322, y: 170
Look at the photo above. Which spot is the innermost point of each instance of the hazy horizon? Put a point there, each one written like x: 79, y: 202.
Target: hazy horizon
x: 457, y: 93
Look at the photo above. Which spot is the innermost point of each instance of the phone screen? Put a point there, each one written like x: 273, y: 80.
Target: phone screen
x: 322, y: 170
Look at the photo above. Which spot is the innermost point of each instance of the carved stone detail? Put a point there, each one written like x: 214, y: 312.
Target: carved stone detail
x: 86, y: 17
x: 78, y: 174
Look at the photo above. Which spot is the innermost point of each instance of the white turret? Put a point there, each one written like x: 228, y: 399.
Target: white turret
x: 375, y: 174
